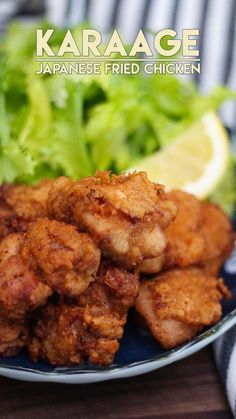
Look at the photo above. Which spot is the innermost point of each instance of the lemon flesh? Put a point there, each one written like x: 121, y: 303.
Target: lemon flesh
x: 194, y: 162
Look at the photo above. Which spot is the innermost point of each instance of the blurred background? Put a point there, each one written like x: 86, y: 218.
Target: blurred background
x: 216, y: 20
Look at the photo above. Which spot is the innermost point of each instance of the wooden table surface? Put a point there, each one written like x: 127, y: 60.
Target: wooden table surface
x: 189, y: 389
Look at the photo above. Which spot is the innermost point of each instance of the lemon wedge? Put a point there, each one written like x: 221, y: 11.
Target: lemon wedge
x: 194, y: 162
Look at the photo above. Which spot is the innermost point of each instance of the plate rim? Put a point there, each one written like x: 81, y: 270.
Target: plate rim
x: 73, y: 376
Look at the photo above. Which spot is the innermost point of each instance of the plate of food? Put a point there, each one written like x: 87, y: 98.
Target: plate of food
x: 104, y: 272
x: 108, y: 276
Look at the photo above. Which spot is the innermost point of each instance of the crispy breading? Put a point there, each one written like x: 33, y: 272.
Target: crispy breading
x: 51, y: 257
x: 21, y: 290
x: 66, y: 259
x: 52, y: 276
x: 153, y: 265
x: 11, y: 246
x: 5, y: 216
x: 177, y: 304
x: 125, y: 214
x: 218, y: 237
x: 13, y: 336
x: 61, y: 338
x: 200, y: 235
x: 184, y: 243
x: 91, y: 329
x: 28, y: 202
x: 21, y: 204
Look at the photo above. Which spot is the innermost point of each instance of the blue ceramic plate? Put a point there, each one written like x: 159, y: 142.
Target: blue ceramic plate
x: 139, y: 352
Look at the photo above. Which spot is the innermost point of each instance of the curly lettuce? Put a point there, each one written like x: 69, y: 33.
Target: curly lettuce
x: 73, y: 125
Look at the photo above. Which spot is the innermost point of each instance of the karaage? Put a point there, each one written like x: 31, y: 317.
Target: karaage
x: 200, y: 235
x: 21, y: 204
x: 91, y: 328
x: 13, y: 336
x: 126, y: 214
x: 218, y: 236
x: 51, y: 257
x: 21, y: 289
x: 65, y: 259
x: 177, y: 304
x: 70, y: 257
x: 184, y: 244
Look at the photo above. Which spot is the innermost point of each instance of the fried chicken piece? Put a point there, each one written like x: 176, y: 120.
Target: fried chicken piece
x: 21, y: 290
x: 90, y: 330
x: 21, y: 204
x: 178, y: 304
x: 125, y: 214
x: 11, y: 246
x: 113, y: 292
x: 200, y: 235
x: 5, y: 216
x: 28, y: 202
x: 57, y: 335
x: 212, y: 266
x: 218, y: 236
x: 152, y: 266
x: 185, y: 246
x: 61, y: 338
x: 13, y: 336
x: 66, y: 259
x: 184, y: 243
x: 51, y: 256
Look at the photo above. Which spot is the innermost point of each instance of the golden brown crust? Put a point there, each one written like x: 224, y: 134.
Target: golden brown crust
x: 21, y: 204
x: 21, y: 290
x: 131, y: 220
x: 200, y: 235
x: 66, y: 259
x: 177, y: 304
x: 185, y: 245
x: 51, y: 257
x: 28, y: 202
x: 218, y: 236
x: 91, y: 329
x: 13, y: 336
x: 125, y: 214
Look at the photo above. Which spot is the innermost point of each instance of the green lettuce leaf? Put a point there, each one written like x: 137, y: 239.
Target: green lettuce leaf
x: 72, y: 125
